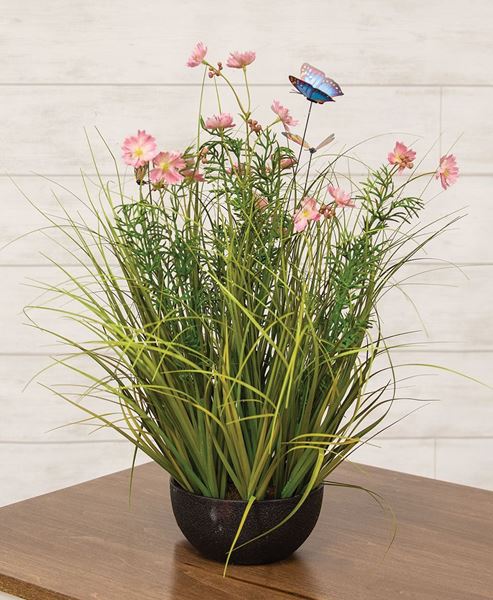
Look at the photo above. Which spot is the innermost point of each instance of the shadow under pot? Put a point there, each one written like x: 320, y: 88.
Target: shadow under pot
x: 210, y: 525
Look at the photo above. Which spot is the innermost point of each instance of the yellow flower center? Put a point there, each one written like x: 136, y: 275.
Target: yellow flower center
x: 164, y: 165
x: 138, y: 152
x: 305, y: 213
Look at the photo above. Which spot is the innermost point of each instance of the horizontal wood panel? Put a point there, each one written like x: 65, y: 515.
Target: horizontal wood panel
x: 464, y: 461
x: 31, y: 207
x: 407, y: 456
x: 465, y: 113
x: 468, y: 241
x: 102, y: 41
x: 442, y: 297
x: 28, y: 470
x: 468, y: 462
x: 431, y: 402
x: 445, y: 306
x: 19, y: 336
x: 50, y: 135
x: 37, y: 414
x: 452, y: 397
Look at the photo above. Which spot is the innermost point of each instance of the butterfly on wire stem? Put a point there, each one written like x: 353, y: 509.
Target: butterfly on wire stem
x: 297, y: 139
x: 315, y: 86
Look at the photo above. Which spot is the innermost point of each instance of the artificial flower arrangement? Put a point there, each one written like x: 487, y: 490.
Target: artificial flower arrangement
x: 231, y: 302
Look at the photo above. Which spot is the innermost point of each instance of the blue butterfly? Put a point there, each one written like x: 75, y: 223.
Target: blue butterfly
x: 315, y: 86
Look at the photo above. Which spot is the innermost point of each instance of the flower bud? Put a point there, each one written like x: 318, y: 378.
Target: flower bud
x: 140, y: 173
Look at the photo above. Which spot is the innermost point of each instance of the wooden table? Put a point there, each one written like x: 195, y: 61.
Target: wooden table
x: 86, y: 542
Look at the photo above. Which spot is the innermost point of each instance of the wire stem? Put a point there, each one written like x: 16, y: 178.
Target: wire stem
x: 297, y: 166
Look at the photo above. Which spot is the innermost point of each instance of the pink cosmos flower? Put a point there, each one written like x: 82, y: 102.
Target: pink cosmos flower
x: 167, y: 168
x: 341, y: 197
x: 308, y: 212
x: 283, y: 113
x: 287, y: 163
x: 197, y: 56
x: 402, y: 156
x: 221, y: 121
x: 448, y: 171
x: 239, y: 60
x: 139, y: 149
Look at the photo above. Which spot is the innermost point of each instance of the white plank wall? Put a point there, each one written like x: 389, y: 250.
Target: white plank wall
x: 420, y: 72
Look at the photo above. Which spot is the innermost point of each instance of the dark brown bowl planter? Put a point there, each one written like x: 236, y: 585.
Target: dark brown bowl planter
x: 210, y: 525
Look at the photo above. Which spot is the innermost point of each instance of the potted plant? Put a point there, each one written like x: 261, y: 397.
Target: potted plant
x: 231, y: 303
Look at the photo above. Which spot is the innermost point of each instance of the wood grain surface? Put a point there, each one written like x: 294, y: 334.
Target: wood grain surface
x: 86, y: 542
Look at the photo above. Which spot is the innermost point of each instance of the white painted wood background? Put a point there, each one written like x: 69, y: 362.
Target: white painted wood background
x: 420, y: 71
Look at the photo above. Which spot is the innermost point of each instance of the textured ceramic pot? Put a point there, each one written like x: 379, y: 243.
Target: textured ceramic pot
x: 210, y: 525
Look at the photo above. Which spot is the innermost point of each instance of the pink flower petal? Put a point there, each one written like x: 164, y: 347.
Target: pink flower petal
x: 239, y: 60
x: 402, y: 156
x: 448, y: 171
x: 341, y: 197
x: 308, y: 212
x: 197, y: 56
x: 167, y: 166
x: 283, y: 113
x: 139, y: 149
x: 221, y: 121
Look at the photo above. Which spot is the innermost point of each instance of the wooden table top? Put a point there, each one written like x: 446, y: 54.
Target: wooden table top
x: 86, y: 542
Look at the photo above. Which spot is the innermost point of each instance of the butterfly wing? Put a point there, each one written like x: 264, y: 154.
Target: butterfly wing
x: 326, y: 141
x: 331, y: 87
x: 317, y: 79
x: 297, y: 139
x: 320, y: 97
x: 309, y: 91
x: 311, y: 75
x: 302, y: 86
